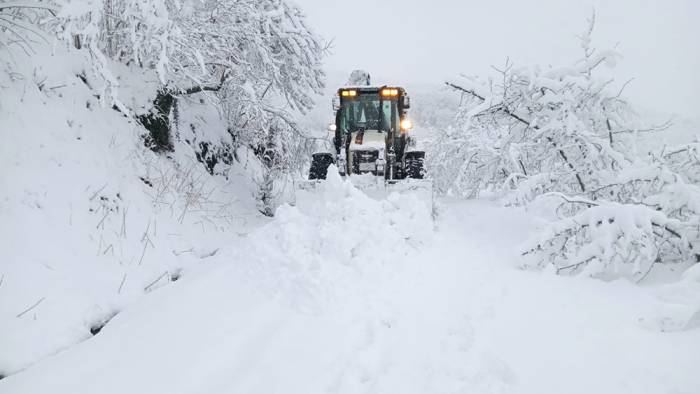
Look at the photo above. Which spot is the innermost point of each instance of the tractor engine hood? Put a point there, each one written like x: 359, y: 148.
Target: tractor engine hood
x: 368, y: 140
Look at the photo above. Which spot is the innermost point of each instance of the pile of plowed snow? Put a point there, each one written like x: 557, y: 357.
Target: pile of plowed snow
x: 333, y: 236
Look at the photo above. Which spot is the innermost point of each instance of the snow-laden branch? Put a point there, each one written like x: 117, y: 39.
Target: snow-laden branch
x: 39, y: 5
x: 564, y: 138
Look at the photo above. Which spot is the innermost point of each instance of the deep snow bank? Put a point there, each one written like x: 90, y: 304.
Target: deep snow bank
x: 90, y: 220
x: 336, y: 235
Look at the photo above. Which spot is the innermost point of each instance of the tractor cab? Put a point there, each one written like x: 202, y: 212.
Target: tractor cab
x: 368, y: 129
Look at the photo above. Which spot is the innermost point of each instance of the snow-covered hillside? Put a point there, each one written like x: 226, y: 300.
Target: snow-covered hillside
x: 91, y: 219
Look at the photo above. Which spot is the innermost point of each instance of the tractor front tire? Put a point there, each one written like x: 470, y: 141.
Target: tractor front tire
x: 415, y: 164
x: 319, y: 165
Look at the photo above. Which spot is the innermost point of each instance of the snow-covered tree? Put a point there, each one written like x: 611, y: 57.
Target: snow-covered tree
x: 20, y: 23
x: 562, y: 122
x: 260, y: 63
x: 256, y: 61
x: 566, y: 134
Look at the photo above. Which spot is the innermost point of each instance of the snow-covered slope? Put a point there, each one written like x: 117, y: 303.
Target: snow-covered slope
x: 90, y: 220
x: 342, y: 293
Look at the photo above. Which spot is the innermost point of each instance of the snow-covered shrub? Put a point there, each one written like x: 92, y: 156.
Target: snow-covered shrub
x: 609, y: 241
x: 684, y: 160
x: 259, y: 63
x: 567, y: 133
x: 533, y: 121
x: 648, y: 215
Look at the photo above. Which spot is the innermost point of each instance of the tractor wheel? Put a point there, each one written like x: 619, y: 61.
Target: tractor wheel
x: 319, y: 165
x: 414, y: 164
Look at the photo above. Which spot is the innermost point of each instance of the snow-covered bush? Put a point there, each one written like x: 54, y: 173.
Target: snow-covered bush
x: 561, y: 121
x: 684, y: 159
x: 259, y: 63
x: 568, y: 134
x: 255, y: 62
x: 609, y: 241
x: 20, y: 20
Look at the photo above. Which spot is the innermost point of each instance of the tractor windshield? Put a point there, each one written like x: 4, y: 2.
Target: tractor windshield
x: 367, y: 112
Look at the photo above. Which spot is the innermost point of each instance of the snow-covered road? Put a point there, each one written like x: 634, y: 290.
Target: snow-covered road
x: 346, y: 294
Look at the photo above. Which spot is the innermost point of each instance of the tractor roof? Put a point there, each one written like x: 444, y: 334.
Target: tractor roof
x: 370, y: 89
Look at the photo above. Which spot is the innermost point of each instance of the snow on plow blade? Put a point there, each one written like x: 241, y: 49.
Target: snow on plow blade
x: 378, y: 188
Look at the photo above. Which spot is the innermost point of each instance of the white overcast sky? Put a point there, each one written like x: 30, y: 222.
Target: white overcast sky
x: 414, y: 42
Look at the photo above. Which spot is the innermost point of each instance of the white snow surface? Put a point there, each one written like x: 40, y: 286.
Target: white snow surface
x: 339, y: 293
x: 342, y: 293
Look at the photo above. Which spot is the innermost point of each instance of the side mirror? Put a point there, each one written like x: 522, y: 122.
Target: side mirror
x: 336, y: 103
x: 406, y: 101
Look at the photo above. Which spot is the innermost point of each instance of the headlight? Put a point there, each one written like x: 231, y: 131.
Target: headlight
x: 406, y: 125
x: 332, y: 127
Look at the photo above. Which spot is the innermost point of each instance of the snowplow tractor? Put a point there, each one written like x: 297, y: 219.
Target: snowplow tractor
x: 371, y: 134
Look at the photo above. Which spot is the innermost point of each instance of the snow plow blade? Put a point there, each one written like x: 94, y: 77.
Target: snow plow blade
x: 378, y: 188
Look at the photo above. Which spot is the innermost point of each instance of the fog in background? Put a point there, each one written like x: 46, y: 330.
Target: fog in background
x: 414, y: 43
